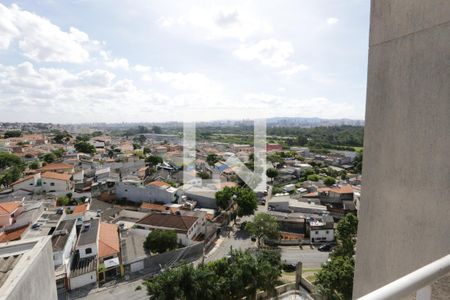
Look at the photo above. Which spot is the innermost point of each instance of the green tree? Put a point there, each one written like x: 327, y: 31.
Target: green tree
x: 240, y: 275
x: 12, y: 133
x: 59, y: 152
x: 83, y: 138
x: 49, y: 157
x: 224, y: 197
x: 153, y: 160
x: 212, y: 158
x: 358, y: 162
x: 203, y: 175
x: 34, y: 165
x: 272, y: 173
x: 247, y: 202
x: 62, y: 201
x: 61, y: 137
x: 140, y: 139
x: 313, y: 177
x: 335, y: 279
x: 263, y: 225
x: 329, y: 181
x: 159, y: 241
x: 85, y: 147
x: 157, y: 129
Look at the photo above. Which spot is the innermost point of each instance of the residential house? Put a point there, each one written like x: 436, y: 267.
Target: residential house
x: 63, y: 243
x: 58, y: 168
x: 320, y: 229
x: 9, y: 212
x: 83, y: 269
x: 186, y: 227
x: 58, y: 183
x: 156, y: 191
x: 108, y: 252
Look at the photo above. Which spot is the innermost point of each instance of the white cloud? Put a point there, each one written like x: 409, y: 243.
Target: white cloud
x: 270, y: 52
x: 218, y: 23
x: 332, y: 21
x: 114, y: 62
x: 193, y: 82
x: 65, y: 96
x: 294, y: 69
x: 39, y: 39
x: 141, y: 68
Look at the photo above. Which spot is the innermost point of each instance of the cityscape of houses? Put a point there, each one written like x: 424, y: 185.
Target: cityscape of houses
x: 87, y: 204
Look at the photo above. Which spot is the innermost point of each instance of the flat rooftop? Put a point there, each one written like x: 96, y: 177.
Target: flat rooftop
x: 89, y: 232
x: 61, y: 234
x: 15, y: 258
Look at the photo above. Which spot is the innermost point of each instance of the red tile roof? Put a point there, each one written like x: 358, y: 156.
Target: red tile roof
x: 344, y: 189
x: 12, y: 235
x: 159, y: 183
x: 56, y: 166
x: 23, y: 179
x: 57, y: 176
x: 179, y: 223
x: 6, y: 208
x: 108, y: 241
x: 80, y: 209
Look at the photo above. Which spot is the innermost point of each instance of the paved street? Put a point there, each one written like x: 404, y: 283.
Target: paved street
x: 311, y: 258
x: 122, y: 291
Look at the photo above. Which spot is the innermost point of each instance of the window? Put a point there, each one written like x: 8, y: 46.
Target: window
x: 327, y: 232
x: 88, y: 251
x: 52, y: 184
x: 317, y: 232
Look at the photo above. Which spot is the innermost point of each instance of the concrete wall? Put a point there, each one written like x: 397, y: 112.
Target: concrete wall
x: 38, y: 281
x: 406, y: 190
x: 82, y: 280
x: 152, y: 264
x: 139, y: 194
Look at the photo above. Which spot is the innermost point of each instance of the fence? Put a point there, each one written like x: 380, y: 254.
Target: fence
x: 156, y: 263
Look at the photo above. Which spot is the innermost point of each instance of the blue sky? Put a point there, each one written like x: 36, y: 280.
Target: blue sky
x: 133, y: 61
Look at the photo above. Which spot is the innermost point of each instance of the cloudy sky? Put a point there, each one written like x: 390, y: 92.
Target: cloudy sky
x: 132, y: 61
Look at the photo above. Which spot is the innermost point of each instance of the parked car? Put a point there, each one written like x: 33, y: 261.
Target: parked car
x: 36, y: 226
x: 289, y: 267
x: 325, y: 247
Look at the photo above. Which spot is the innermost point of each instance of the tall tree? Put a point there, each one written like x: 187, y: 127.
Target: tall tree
x: 246, y: 201
x: 160, y: 241
x: 263, y: 225
x: 335, y: 279
x: 85, y: 147
x: 272, y: 173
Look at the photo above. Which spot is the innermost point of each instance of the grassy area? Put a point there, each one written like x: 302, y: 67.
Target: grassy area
x: 311, y: 278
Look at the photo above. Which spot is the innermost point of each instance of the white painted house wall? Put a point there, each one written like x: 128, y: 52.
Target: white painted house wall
x: 83, y: 248
x: 64, y: 256
x: 58, y: 186
x: 321, y: 235
x: 82, y: 280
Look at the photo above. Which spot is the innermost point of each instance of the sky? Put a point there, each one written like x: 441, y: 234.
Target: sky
x: 156, y: 61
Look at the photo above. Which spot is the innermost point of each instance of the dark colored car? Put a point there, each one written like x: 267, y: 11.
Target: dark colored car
x: 289, y: 267
x: 325, y: 248
x: 35, y: 226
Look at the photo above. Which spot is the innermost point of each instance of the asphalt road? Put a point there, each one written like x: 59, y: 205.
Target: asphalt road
x: 123, y: 291
x: 311, y: 258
